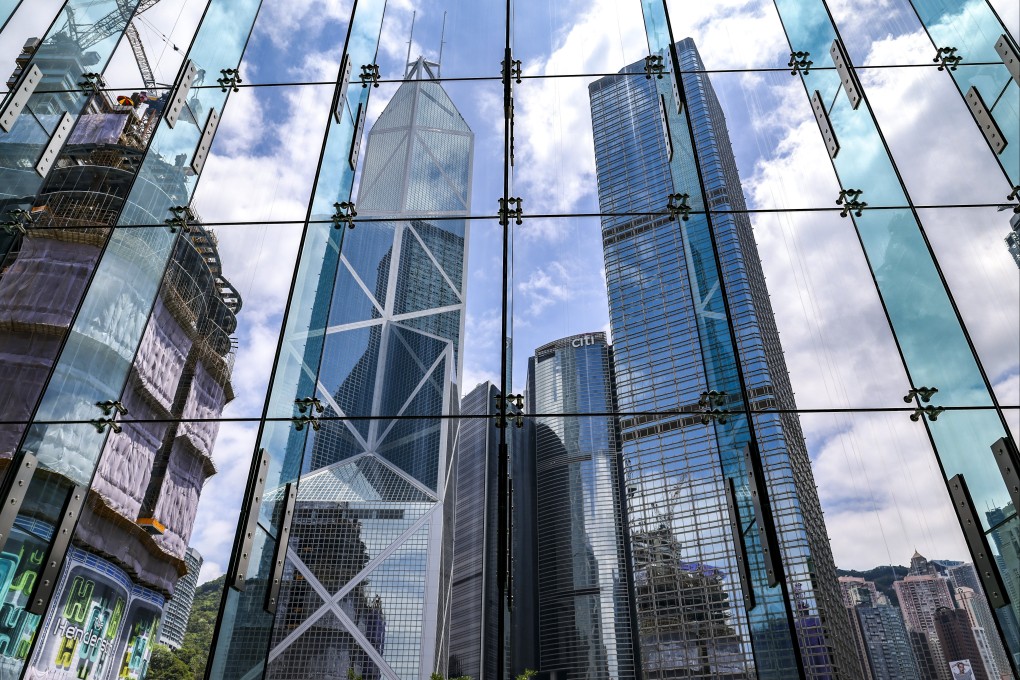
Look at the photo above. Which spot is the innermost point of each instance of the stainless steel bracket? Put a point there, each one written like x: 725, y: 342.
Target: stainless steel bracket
x: 205, y: 143
x: 763, y: 518
x: 180, y: 98
x: 341, y: 93
x: 15, y: 486
x: 55, y: 144
x: 19, y: 96
x: 1007, y: 51
x: 664, y: 114
x: 824, y: 124
x: 280, y: 552
x: 846, y: 72
x: 242, y: 554
x: 746, y: 586
x: 973, y: 533
x: 1008, y: 459
x: 989, y: 128
x: 40, y: 600
x: 352, y: 158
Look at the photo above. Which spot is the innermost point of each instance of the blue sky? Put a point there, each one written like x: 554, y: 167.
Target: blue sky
x: 878, y: 481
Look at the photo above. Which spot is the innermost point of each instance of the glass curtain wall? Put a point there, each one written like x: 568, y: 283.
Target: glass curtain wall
x: 312, y: 365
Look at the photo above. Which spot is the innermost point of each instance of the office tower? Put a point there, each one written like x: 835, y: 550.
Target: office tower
x: 131, y: 540
x: 374, y: 513
x: 474, y: 602
x: 675, y: 477
x: 920, y: 596
x: 178, y: 609
x: 585, y: 623
x: 957, y: 641
x: 475, y: 608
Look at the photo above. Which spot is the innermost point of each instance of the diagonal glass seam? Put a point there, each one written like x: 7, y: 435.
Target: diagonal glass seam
x: 414, y: 393
x: 328, y: 398
x: 403, y: 475
x: 331, y: 602
x: 432, y: 257
x: 426, y: 147
x: 362, y: 286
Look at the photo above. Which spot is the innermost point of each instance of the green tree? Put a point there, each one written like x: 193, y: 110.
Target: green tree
x: 165, y: 665
x: 198, y: 635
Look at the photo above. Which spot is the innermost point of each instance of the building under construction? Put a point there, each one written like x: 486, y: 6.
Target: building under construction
x: 130, y: 544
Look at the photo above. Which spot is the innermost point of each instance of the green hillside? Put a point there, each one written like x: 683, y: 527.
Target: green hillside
x: 883, y: 578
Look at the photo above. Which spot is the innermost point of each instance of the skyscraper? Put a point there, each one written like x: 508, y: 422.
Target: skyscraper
x: 675, y: 478
x: 475, y: 605
x: 178, y: 610
x: 373, y: 516
x: 585, y: 622
x: 883, y: 644
x: 920, y: 596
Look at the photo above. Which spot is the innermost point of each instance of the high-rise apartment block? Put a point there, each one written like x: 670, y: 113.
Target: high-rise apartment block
x: 920, y: 596
x: 585, y: 606
x: 676, y: 488
x: 883, y: 645
x: 178, y: 610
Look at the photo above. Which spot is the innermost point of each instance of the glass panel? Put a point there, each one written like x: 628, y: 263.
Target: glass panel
x: 7, y: 8
x: 905, y: 273
x: 974, y: 29
x: 295, y: 376
x: 63, y: 56
x: 98, y: 355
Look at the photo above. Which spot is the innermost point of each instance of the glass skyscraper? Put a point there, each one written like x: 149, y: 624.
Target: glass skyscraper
x: 366, y: 585
x: 585, y: 623
x: 676, y: 489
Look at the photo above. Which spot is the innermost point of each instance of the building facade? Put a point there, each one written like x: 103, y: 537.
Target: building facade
x: 374, y: 515
x: 174, y: 624
x: 920, y: 596
x: 585, y: 622
x: 675, y: 481
x: 475, y: 607
x: 889, y: 652
x: 131, y: 541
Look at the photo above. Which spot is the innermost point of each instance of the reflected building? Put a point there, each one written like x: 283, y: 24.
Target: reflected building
x: 882, y: 640
x: 675, y: 481
x: 178, y: 610
x: 474, y: 597
x: 367, y: 581
x: 921, y: 594
x: 585, y: 607
x: 130, y: 549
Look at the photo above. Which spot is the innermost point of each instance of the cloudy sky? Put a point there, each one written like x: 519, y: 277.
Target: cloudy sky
x: 879, y: 482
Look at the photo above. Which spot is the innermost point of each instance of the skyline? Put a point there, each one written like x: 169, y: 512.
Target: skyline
x: 559, y: 295
x: 879, y: 482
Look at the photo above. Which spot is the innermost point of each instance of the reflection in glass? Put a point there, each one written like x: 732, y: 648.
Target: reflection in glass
x: 392, y: 350
x: 970, y: 31
x: 672, y: 346
x: 584, y: 587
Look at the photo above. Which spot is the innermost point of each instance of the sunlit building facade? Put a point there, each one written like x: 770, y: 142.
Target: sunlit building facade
x: 676, y: 491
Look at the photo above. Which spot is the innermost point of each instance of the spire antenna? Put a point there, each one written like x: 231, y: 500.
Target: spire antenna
x: 410, y: 39
x: 442, y: 41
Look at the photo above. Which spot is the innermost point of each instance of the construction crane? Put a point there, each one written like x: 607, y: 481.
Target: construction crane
x: 87, y: 36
